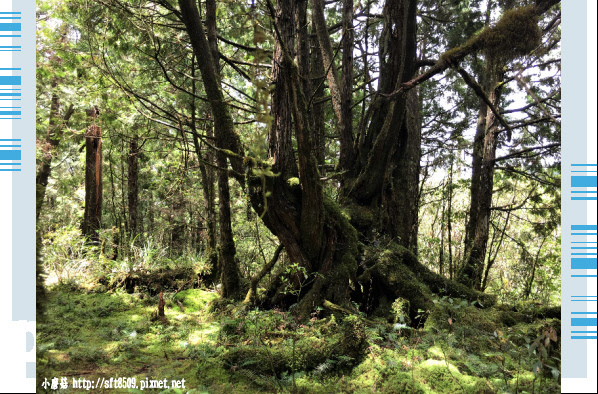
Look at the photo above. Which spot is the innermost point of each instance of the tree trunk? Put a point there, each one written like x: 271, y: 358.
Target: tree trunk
x: 92, y: 218
x: 133, y: 186
x: 450, y: 220
x: 319, y: 236
x: 341, y: 93
x: 482, y: 183
x: 229, y: 271
x: 53, y: 138
x: 226, y: 138
x: 280, y: 143
x: 317, y: 109
x: 208, y: 181
x: 387, y: 173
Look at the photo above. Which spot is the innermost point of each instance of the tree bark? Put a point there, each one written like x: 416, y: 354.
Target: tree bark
x: 280, y: 142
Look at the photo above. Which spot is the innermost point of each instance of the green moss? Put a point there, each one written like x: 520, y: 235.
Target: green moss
x: 442, y: 377
x: 341, y: 219
x: 193, y: 300
x: 515, y: 34
x: 403, y: 382
x: 252, y: 351
x: 361, y: 217
x: 293, y: 182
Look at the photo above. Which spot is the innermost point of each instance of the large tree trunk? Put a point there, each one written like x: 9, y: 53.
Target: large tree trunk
x: 92, y: 218
x: 384, y: 189
x: 319, y: 236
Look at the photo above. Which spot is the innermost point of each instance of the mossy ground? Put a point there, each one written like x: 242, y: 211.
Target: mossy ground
x: 224, y: 348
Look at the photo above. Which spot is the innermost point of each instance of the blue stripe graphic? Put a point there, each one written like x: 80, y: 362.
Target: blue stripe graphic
x: 10, y: 80
x: 583, y: 322
x: 583, y: 227
x: 10, y: 155
x: 583, y: 181
x: 10, y: 27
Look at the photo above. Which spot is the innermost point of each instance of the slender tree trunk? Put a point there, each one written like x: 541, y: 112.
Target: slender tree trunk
x: 450, y: 220
x: 478, y: 227
x: 442, y: 220
x: 92, y: 218
x: 229, y: 270
x: 53, y: 137
x: 317, y: 73
x: 341, y: 93
x: 133, y: 186
x: 208, y: 181
x: 347, y: 155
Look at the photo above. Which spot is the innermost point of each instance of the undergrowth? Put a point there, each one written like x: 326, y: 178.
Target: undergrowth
x: 220, y: 347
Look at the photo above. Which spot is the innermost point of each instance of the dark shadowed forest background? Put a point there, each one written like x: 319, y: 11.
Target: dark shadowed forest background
x: 300, y: 196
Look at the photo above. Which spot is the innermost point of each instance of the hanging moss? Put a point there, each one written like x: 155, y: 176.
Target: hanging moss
x: 514, y: 35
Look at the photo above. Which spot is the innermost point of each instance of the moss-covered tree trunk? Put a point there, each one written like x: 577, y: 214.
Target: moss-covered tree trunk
x: 384, y: 182
x: 359, y: 248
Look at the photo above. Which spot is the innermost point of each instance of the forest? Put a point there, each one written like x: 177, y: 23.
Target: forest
x: 299, y: 195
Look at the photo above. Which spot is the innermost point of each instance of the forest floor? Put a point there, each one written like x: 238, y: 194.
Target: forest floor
x: 227, y: 348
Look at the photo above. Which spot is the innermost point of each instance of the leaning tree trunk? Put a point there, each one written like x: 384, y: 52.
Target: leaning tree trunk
x: 92, y: 218
x: 225, y: 137
x: 227, y: 263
